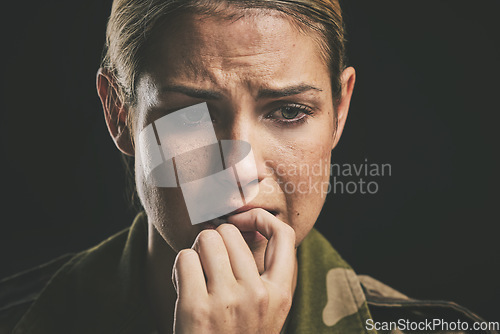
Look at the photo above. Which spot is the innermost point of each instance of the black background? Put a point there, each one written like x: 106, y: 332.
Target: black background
x: 425, y: 102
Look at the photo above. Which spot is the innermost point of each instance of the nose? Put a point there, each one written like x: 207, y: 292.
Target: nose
x: 243, y: 150
x: 238, y: 155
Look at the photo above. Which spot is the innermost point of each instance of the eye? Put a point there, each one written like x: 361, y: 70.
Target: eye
x: 194, y: 117
x: 290, y: 114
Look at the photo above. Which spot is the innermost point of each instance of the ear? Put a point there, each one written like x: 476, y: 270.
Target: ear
x: 115, y: 111
x: 348, y: 78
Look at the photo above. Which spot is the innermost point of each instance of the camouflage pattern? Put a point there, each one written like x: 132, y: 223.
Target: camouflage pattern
x: 102, y: 290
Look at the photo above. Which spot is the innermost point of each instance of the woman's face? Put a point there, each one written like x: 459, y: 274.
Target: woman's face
x: 265, y: 83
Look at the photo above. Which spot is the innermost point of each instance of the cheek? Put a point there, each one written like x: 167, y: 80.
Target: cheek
x: 307, y: 156
x: 302, y: 172
x: 166, y: 210
x: 304, y: 176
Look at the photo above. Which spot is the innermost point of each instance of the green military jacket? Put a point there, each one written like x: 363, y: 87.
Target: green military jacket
x: 102, y: 290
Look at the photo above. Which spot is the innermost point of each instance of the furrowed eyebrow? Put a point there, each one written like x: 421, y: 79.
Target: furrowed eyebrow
x: 286, y: 91
x: 204, y: 94
x: 207, y: 94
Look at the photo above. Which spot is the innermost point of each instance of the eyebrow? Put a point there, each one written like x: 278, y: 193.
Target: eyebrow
x: 204, y: 94
x: 286, y: 91
x: 208, y: 94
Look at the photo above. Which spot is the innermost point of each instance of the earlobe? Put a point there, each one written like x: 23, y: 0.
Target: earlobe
x: 348, y: 78
x: 115, y: 112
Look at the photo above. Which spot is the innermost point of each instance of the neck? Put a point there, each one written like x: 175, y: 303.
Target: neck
x: 161, y: 292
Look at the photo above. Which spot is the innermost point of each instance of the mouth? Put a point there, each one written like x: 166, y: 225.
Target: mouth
x: 251, y: 237
x: 223, y: 219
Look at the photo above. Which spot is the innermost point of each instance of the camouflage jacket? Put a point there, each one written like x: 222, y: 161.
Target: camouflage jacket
x: 102, y: 290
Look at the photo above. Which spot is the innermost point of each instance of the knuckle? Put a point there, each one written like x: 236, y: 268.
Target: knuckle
x: 207, y: 236
x: 198, y: 312
x: 201, y: 310
x: 183, y: 255
x: 289, y: 231
x: 180, y: 260
x: 260, y: 211
x: 284, y: 299
x: 260, y: 294
x: 259, y: 220
x: 262, y: 301
x: 258, y: 214
x: 227, y: 228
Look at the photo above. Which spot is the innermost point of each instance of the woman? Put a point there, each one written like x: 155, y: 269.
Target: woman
x: 267, y: 82
x: 270, y: 74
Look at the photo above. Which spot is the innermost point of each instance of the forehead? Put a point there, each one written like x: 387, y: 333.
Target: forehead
x: 193, y: 45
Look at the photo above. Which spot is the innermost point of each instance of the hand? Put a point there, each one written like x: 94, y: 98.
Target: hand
x: 219, y: 288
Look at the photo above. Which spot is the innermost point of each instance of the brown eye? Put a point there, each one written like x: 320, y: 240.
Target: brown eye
x: 289, y: 112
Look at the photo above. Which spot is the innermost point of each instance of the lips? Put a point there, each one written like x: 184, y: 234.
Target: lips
x: 223, y: 219
x: 251, y: 237
x: 250, y: 207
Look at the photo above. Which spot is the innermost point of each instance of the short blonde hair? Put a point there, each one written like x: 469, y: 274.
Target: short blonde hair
x: 132, y: 23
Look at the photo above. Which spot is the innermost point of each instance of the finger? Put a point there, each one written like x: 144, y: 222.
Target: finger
x: 214, y: 260
x: 241, y: 258
x: 279, y: 262
x: 187, y: 275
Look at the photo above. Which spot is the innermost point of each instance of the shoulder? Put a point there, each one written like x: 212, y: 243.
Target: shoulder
x: 323, y: 270
x: 19, y: 292
x: 388, y: 305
